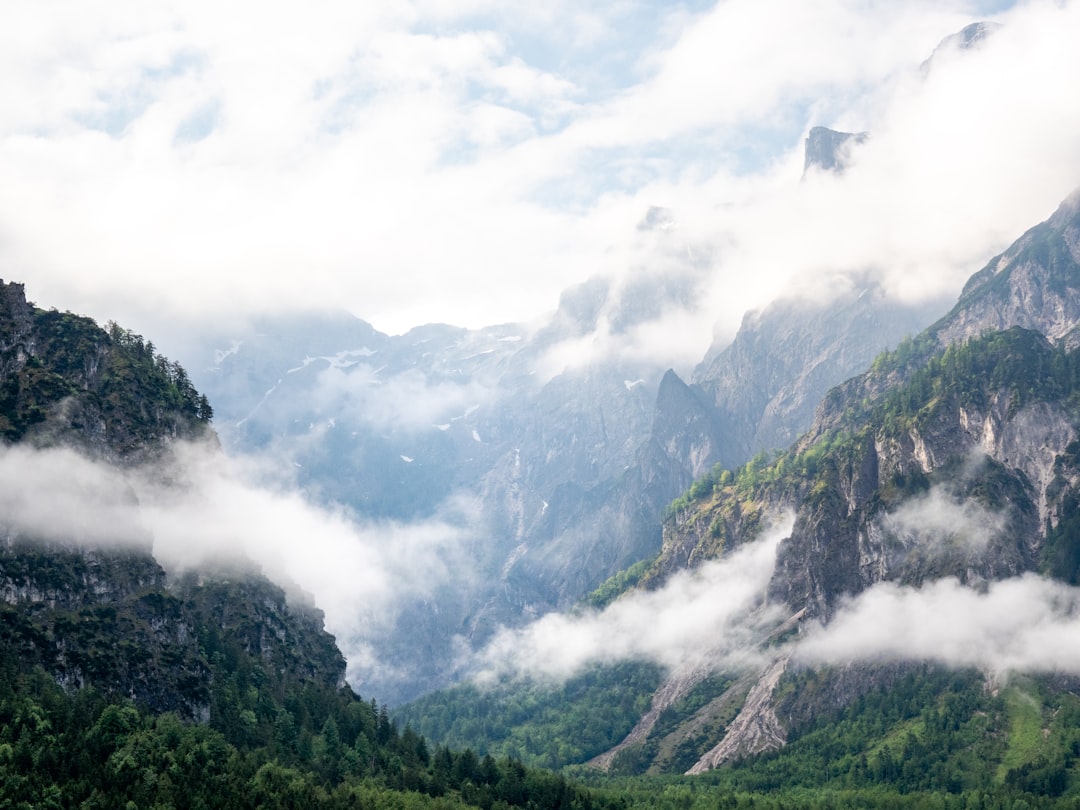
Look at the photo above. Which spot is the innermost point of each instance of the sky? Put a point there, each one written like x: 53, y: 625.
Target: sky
x: 422, y: 160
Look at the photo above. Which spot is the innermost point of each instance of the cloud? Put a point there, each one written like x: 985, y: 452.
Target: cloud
x: 1024, y: 624
x: 203, y: 508
x: 711, y: 615
x: 61, y: 494
x: 407, y: 401
x: 420, y: 162
x: 937, y: 521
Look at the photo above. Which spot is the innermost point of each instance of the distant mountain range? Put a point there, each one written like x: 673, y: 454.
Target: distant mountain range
x: 570, y: 463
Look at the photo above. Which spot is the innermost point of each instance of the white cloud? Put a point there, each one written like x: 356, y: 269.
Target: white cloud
x: 711, y: 615
x: 937, y: 521
x: 203, y: 507
x: 405, y: 401
x: 419, y: 162
x: 1025, y: 624
x: 61, y: 494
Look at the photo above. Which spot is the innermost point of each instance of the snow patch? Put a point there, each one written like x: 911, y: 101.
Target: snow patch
x: 476, y: 436
x: 632, y: 384
x: 407, y: 460
x: 343, y: 359
x: 221, y: 354
x: 468, y: 412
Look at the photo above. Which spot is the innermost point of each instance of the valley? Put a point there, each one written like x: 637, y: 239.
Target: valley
x: 745, y: 471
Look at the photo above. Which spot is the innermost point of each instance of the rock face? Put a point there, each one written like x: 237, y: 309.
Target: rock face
x: 97, y: 611
x: 955, y: 455
x: 755, y: 729
x: 970, y: 36
x: 830, y: 150
x: 765, y: 385
x: 845, y: 539
x: 1034, y: 284
x: 68, y: 382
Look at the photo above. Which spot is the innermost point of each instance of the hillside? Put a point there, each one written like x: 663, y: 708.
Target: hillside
x: 952, y: 460
x: 122, y: 684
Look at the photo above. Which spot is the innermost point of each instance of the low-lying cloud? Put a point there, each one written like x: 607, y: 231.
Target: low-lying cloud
x: 714, y: 614
x: 1023, y: 624
x: 407, y: 401
x: 202, y: 508
x: 937, y: 521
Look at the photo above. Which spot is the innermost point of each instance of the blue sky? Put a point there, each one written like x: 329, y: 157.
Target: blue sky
x: 426, y: 160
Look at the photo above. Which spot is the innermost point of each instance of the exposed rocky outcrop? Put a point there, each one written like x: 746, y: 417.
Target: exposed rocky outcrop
x: 968, y: 37
x: 84, y: 599
x: 766, y: 384
x: 67, y: 382
x: 830, y: 150
x: 1034, y: 284
x: 756, y: 728
x: 937, y: 462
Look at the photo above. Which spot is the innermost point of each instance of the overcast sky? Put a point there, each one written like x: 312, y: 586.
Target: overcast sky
x: 463, y: 161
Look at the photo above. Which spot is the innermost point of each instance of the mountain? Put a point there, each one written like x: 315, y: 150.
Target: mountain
x: 762, y: 389
x: 89, y: 604
x: 963, y: 418
x: 830, y: 150
x: 970, y: 36
x: 66, y: 381
x: 122, y: 684
x: 551, y: 445
x: 951, y: 462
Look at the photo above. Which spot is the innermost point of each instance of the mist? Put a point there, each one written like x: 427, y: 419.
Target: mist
x: 937, y: 522
x: 713, y: 615
x: 424, y: 164
x: 1023, y: 624
x: 199, y: 509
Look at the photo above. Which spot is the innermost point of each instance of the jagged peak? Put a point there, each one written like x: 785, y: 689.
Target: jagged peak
x: 967, y: 38
x: 830, y: 149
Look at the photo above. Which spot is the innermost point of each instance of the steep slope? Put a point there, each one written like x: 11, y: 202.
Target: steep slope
x: 105, y: 660
x: 1033, y: 284
x: 983, y: 430
x: 969, y: 471
x: 93, y: 608
x: 566, y: 454
x: 830, y: 150
x: 765, y: 385
x: 67, y: 381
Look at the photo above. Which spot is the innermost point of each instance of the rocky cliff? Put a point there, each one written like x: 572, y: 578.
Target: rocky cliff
x: 955, y: 455
x: 90, y: 605
x: 829, y: 150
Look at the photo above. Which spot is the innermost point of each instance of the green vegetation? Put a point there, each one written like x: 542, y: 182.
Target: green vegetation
x: 118, y: 380
x: 932, y: 738
x: 615, y: 586
x: 546, y: 725
x: 1017, y: 362
x: 320, y: 748
x: 925, y: 737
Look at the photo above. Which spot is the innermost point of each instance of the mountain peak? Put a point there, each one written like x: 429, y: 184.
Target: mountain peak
x: 967, y: 38
x: 829, y: 149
